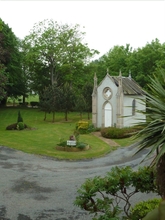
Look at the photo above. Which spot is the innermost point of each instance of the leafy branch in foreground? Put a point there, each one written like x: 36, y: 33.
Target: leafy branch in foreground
x: 102, y: 195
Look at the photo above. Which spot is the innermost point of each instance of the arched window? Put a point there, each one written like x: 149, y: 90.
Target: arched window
x: 133, y: 107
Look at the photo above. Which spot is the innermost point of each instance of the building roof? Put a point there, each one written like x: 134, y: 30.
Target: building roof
x: 129, y: 85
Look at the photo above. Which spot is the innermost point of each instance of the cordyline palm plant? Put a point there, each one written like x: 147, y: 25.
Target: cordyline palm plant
x: 152, y: 135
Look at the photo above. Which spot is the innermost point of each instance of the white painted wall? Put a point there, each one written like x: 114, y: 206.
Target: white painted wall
x: 131, y: 120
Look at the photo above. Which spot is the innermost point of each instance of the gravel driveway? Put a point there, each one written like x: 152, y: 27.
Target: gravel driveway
x: 36, y: 187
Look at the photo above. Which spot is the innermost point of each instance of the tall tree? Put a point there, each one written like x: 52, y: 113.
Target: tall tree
x: 3, y: 82
x: 87, y: 94
x: 10, y: 57
x: 49, y: 100
x: 59, y: 50
x: 66, y: 99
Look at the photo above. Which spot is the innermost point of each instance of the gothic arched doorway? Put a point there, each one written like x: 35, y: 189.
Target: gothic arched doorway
x: 107, y: 115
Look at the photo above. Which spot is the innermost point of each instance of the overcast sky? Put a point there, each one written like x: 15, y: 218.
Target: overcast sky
x: 107, y: 23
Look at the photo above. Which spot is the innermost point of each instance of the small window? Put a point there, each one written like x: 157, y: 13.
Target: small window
x: 133, y: 107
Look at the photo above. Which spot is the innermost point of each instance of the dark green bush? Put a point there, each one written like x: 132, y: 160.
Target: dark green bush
x: 62, y: 144
x: 19, y: 119
x: 20, y: 126
x: 141, y: 209
x: 117, y: 133
x: 81, y: 145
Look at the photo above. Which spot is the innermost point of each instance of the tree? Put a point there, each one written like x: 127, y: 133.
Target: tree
x: 3, y: 82
x: 152, y: 136
x: 66, y: 99
x: 10, y: 57
x: 49, y: 100
x: 87, y: 94
x: 144, y: 62
x: 80, y: 104
x: 59, y: 50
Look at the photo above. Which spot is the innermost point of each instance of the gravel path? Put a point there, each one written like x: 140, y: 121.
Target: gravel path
x: 36, y: 187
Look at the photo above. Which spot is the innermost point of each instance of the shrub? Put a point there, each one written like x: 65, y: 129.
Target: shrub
x: 81, y: 145
x: 20, y: 126
x: 117, y: 133
x: 19, y: 119
x: 100, y: 195
x: 12, y: 127
x: 83, y: 127
x: 62, y: 143
x: 141, y: 209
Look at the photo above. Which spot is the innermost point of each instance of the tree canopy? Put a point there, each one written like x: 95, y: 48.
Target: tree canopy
x: 10, y: 57
x: 56, y: 52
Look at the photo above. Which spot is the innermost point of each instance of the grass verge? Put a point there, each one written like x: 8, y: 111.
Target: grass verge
x: 44, y: 136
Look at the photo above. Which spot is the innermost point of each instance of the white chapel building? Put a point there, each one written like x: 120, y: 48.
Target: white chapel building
x: 115, y: 102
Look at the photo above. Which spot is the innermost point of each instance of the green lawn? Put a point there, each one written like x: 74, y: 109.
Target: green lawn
x: 44, y: 136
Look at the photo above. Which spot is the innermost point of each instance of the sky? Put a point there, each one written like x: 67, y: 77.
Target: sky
x: 106, y: 23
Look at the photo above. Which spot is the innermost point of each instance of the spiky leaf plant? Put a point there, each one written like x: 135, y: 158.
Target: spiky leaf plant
x: 152, y: 135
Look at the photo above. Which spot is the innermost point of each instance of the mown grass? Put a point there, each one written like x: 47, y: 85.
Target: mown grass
x: 44, y: 136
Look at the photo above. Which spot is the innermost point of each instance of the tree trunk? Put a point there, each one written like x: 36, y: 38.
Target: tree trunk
x: 66, y: 115
x: 160, y: 176
x: 45, y: 116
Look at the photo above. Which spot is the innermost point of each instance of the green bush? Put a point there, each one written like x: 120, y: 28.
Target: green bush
x: 117, y: 133
x: 62, y: 143
x: 141, y: 209
x: 81, y: 145
x: 100, y: 195
x: 83, y: 127
x: 20, y: 126
x: 19, y: 119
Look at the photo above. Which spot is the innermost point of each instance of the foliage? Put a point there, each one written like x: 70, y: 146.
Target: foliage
x: 19, y: 119
x: 10, y: 57
x: 3, y: 82
x: 20, y: 126
x: 87, y: 92
x: 56, y: 53
x: 81, y: 145
x: 101, y: 195
x: 66, y: 98
x: 80, y: 103
x: 113, y: 132
x: 49, y: 100
x: 84, y: 127
x: 152, y: 135
x: 141, y: 209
